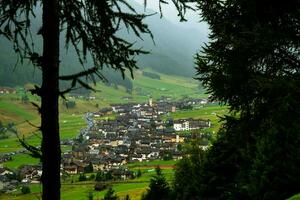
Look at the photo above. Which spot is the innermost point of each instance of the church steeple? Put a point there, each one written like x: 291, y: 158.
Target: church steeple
x: 150, y: 102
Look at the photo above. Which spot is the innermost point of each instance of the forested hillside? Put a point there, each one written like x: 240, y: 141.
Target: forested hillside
x: 170, y: 51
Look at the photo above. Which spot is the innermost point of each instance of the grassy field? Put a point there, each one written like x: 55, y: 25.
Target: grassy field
x: 14, y: 111
x: 169, y: 164
x: 70, y: 126
x: 81, y: 192
x: 295, y: 197
x: 143, y: 87
x: 173, y: 86
x: 19, y: 160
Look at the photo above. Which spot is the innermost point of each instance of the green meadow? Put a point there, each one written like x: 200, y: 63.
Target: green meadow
x: 176, y: 87
x: 295, y: 197
x: 19, y: 160
x: 162, y: 163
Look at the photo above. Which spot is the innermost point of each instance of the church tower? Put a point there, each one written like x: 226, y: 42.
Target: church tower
x: 150, y: 102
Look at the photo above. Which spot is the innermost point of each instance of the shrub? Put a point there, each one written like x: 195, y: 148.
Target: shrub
x: 25, y: 189
x: 82, y: 177
x: 100, y: 186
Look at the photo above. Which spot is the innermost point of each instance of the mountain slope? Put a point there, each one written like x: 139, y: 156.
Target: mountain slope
x: 172, y: 52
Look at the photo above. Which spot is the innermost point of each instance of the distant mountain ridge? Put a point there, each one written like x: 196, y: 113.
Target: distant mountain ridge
x: 172, y: 53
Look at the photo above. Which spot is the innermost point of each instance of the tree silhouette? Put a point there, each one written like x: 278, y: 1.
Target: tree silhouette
x: 252, y: 64
x: 158, y: 187
x: 110, y: 195
x: 91, y: 27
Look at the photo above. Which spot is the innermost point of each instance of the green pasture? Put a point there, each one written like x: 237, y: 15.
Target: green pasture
x: 19, y: 160
x: 173, y: 86
x: 295, y: 197
x: 70, y: 126
x: 136, y: 165
x: 13, y: 111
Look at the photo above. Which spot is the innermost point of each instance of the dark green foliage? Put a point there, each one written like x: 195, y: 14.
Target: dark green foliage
x: 187, y: 107
x: 252, y: 65
x: 225, y: 168
x: 158, y: 171
x: 116, y: 80
x: 179, y: 147
x: 100, y: 176
x: 91, y: 196
x: 70, y: 104
x: 25, y: 99
x: 65, y: 176
x: 249, y: 58
x: 188, y: 173
x: 127, y: 197
x: 82, y: 177
x: 169, y: 123
x: 110, y: 195
x: 151, y: 75
x: 158, y: 187
x: 167, y: 155
x: 25, y: 189
x: 80, y: 139
x: 12, y: 176
x: 89, y: 168
x: 78, y: 91
x: 139, y: 173
x: 100, y: 186
x: 271, y: 177
x: 108, y: 176
x: 3, y: 131
x: 92, y: 177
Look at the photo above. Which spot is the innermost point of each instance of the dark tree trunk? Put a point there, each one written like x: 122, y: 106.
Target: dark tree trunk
x: 51, y: 153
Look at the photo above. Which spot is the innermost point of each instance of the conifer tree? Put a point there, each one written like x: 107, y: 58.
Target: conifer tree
x: 91, y: 28
x: 252, y: 64
x: 158, y: 187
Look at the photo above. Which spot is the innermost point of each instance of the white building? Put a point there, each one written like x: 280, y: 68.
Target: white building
x: 181, y: 126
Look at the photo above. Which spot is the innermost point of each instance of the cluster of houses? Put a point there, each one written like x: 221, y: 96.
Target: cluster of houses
x: 7, y: 182
x: 136, y: 134
x: 11, y: 180
x: 7, y: 90
x: 5, y: 158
